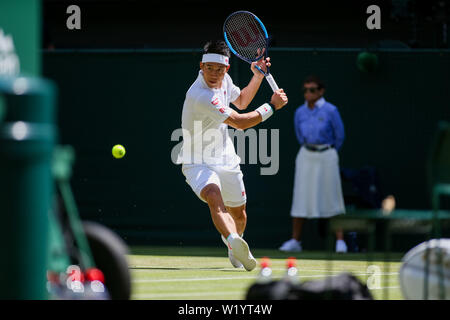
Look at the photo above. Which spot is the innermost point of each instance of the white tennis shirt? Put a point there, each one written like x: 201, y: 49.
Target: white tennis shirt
x: 205, y: 137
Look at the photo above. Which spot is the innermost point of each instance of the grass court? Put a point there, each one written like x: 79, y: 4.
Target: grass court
x: 205, y: 273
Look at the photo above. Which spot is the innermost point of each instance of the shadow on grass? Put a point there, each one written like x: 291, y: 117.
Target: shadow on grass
x: 259, y: 253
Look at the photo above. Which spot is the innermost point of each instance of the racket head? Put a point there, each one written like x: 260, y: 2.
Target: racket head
x: 246, y: 36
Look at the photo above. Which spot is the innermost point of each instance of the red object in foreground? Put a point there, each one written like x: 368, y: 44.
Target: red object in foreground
x: 265, y: 262
x: 93, y: 274
x: 291, y: 262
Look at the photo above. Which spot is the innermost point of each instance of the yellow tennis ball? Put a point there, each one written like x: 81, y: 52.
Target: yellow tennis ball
x: 118, y: 151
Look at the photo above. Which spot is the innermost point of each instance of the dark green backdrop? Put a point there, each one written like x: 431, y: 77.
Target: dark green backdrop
x: 135, y: 98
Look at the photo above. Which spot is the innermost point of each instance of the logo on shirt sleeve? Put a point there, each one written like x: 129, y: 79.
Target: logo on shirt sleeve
x: 215, y: 101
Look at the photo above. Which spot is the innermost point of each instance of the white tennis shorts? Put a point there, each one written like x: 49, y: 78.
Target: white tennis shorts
x: 229, y: 180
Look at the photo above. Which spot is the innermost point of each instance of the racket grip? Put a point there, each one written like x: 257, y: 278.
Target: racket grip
x: 272, y: 82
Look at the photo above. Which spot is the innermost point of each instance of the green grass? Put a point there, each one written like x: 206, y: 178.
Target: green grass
x: 203, y: 273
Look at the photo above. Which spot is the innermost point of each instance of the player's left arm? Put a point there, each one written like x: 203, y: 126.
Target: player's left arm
x: 249, y: 92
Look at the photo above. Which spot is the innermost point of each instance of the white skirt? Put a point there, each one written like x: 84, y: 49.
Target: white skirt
x: 317, y: 185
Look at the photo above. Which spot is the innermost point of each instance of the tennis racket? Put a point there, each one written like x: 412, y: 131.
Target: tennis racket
x: 247, y: 38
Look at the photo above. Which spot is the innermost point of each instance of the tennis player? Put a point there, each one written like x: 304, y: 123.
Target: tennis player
x: 209, y: 160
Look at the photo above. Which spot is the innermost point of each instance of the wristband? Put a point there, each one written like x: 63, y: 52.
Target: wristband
x: 272, y: 106
x: 265, y: 111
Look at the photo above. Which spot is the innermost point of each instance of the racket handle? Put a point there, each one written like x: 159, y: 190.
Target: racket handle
x: 272, y: 82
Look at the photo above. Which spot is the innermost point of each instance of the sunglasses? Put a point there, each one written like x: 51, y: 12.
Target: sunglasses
x: 312, y: 90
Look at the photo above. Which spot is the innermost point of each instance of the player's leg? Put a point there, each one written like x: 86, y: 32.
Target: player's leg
x: 206, y: 185
x: 222, y: 220
x: 226, y: 226
x: 239, y: 216
x: 234, y: 196
x: 233, y: 193
x: 240, y: 219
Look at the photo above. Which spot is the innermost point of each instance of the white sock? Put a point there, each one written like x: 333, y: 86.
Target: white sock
x: 232, y: 236
x: 225, y: 241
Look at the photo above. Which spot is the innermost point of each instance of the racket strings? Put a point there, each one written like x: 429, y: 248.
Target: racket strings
x: 246, y: 36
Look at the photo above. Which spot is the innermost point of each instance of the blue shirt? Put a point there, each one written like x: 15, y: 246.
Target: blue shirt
x: 321, y: 125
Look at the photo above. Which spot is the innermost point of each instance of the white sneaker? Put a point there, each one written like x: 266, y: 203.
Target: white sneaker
x: 235, y: 262
x: 291, y: 246
x: 341, y: 246
x: 242, y: 253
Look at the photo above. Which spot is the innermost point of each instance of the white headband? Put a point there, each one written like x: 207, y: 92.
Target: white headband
x: 214, y: 57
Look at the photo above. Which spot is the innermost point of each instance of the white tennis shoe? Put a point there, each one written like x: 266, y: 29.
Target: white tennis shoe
x: 241, y: 252
x: 291, y: 245
x: 235, y: 262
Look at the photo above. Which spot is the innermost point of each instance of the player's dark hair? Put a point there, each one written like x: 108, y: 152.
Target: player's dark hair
x: 315, y: 79
x: 217, y: 46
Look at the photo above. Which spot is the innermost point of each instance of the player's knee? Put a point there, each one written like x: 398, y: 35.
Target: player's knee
x: 241, y: 216
x: 211, y: 193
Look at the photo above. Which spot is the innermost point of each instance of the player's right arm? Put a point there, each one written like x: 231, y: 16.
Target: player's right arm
x: 249, y: 92
x: 250, y: 119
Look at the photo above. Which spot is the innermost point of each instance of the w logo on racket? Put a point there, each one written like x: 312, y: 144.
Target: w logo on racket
x: 246, y: 36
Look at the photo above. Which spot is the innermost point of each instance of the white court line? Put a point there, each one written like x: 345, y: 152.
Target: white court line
x: 246, y: 277
x: 381, y: 288
x: 183, y: 294
x: 192, y: 279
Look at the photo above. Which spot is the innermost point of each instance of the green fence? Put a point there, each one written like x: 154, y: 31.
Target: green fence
x: 135, y: 98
